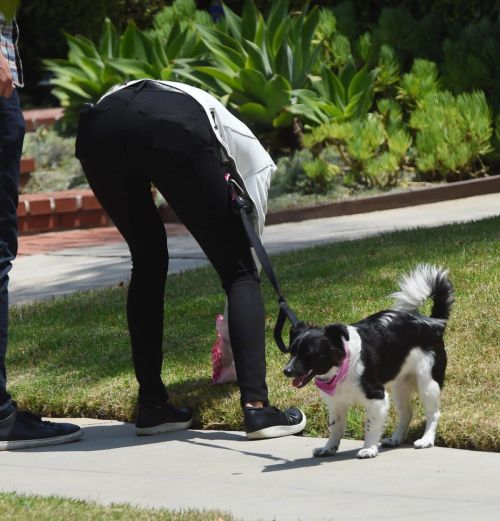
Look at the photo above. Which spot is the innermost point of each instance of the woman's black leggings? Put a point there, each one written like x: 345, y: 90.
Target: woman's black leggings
x: 138, y: 136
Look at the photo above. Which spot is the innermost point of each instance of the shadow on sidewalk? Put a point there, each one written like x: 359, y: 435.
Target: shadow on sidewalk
x: 105, y: 437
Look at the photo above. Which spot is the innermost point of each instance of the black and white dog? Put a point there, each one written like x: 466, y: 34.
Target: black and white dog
x: 353, y: 363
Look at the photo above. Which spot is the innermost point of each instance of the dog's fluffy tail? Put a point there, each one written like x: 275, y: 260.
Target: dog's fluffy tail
x: 425, y: 281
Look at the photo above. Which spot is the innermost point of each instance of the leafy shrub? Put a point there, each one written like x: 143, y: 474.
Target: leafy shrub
x: 290, y: 173
x: 452, y: 133
x: 373, y: 153
x: 304, y: 174
x: 422, y: 80
x: 55, y: 162
x: 388, y: 69
x: 336, y: 46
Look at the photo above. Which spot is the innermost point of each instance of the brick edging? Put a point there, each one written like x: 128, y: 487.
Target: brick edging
x: 444, y: 192
x: 80, y: 209
x: 34, y: 118
x: 59, y: 211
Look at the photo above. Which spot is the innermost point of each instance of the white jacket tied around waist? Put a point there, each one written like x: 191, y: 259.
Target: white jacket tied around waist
x: 253, y: 163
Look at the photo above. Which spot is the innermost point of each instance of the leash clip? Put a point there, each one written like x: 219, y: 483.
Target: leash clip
x: 238, y: 196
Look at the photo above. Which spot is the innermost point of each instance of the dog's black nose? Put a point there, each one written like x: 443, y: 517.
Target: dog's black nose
x: 287, y: 371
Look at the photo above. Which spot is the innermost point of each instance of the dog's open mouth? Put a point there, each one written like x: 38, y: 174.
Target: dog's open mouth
x: 300, y: 381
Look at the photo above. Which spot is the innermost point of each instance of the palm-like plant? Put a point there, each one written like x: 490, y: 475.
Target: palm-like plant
x: 91, y: 69
x: 257, y: 62
x: 348, y: 95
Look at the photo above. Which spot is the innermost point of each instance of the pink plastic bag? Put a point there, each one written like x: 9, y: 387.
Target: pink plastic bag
x: 223, y: 370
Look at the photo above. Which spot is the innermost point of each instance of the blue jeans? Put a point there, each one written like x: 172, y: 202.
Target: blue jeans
x: 11, y: 144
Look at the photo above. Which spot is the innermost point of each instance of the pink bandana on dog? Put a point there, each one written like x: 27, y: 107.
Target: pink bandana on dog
x: 331, y: 386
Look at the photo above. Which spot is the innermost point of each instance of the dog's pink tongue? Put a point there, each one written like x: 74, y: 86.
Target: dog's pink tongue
x: 297, y: 381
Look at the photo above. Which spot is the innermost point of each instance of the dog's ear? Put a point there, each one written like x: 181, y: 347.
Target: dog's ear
x: 297, y: 329
x: 336, y: 332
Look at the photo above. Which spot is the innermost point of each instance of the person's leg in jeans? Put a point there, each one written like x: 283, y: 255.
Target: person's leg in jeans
x: 18, y: 430
x: 11, y: 144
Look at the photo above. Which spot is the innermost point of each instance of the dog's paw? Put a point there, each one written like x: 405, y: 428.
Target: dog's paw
x: 324, y: 452
x: 390, y: 442
x: 423, y: 444
x: 366, y: 453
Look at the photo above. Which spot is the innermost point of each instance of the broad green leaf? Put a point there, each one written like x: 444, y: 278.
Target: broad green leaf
x: 166, y: 73
x: 71, y: 87
x: 134, y: 68
x: 353, y: 105
x: 305, y: 112
x: 256, y: 112
x: 277, y: 15
x: 160, y: 52
x: 92, y: 68
x: 217, y: 38
x: 249, y: 18
x: 279, y: 36
x: 81, y: 46
x: 260, y: 32
x: 233, y: 21
x: 277, y: 93
x: 337, y: 92
x: 175, y: 45
x: 220, y: 75
x: 310, y: 23
x: 109, y: 42
x: 131, y: 45
x: 360, y: 82
x: 256, y: 58
x: 284, y: 119
x: 253, y: 83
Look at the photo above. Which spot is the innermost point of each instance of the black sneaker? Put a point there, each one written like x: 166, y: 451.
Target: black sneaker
x: 162, y: 417
x: 25, y: 430
x: 270, y: 422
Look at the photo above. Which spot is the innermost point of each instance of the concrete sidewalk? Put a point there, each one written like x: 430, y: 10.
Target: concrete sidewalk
x: 55, y: 273
x: 261, y: 480
x: 265, y: 480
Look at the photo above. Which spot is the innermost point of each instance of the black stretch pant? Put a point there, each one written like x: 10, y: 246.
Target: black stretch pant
x: 138, y: 136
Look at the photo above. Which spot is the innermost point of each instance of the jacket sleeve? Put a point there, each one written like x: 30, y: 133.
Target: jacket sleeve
x: 256, y: 168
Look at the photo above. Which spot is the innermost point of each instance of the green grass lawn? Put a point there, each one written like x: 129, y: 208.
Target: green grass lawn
x: 15, y: 507
x: 71, y: 356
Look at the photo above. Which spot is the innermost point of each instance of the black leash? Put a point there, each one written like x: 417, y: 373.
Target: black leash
x: 244, y: 207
